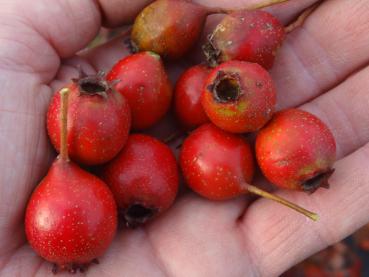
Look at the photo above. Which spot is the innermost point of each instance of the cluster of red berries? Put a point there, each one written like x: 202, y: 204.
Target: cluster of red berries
x: 72, y: 215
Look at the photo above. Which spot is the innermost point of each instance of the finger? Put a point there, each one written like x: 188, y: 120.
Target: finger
x: 332, y: 44
x: 118, y: 12
x: 285, y: 11
x: 345, y: 109
x: 30, y: 45
x: 278, y: 238
x: 103, y: 57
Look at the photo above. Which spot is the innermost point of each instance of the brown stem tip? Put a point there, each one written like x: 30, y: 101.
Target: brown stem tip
x: 276, y: 198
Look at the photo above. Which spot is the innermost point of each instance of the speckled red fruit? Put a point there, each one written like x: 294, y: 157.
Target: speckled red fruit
x: 216, y: 164
x: 239, y: 97
x: 187, y: 97
x: 168, y: 27
x: 99, y: 120
x: 71, y: 217
x: 253, y: 36
x: 143, y: 178
x: 296, y: 150
x: 142, y: 79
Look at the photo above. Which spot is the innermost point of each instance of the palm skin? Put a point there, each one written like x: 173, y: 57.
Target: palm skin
x: 321, y: 67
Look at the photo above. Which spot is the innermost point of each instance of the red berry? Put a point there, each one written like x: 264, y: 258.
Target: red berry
x: 216, y: 164
x: 188, y: 96
x: 143, y: 179
x: 253, y: 36
x: 219, y: 166
x: 99, y: 121
x: 239, y: 96
x: 145, y: 84
x: 168, y: 27
x: 296, y: 150
x: 71, y: 217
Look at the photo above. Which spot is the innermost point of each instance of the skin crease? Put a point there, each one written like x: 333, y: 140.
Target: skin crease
x: 145, y: 173
x: 324, y: 60
x: 256, y: 38
x: 187, y: 97
x: 98, y: 127
x: 65, y: 220
x: 255, y: 101
x: 145, y: 84
x: 216, y: 164
x: 294, y: 147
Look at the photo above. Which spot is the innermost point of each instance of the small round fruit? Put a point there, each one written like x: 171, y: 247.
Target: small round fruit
x: 71, y: 217
x: 143, y: 178
x: 216, y: 164
x: 142, y: 80
x: 239, y: 97
x: 187, y: 97
x: 220, y: 166
x: 168, y: 27
x: 253, y: 36
x: 99, y: 120
x: 296, y: 150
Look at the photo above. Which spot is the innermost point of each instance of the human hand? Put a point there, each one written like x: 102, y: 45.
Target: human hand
x: 321, y: 67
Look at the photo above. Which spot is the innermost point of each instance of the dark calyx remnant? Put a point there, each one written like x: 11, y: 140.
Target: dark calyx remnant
x: 211, y: 53
x: 320, y: 180
x: 226, y: 87
x: 138, y: 214
x: 93, y: 85
x: 73, y: 268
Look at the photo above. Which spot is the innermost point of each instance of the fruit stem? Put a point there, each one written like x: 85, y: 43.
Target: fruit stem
x: 301, y: 18
x: 249, y: 7
x: 262, y: 193
x: 64, y: 121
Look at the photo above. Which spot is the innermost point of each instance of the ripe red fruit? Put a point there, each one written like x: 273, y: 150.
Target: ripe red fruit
x: 145, y: 84
x: 253, y: 36
x: 361, y: 237
x: 239, y: 96
x: 99, y: 121
x: 143, y: 178
x: 168, y: 27
x: 219, y: 166
x: 187, y: 97
x: 296, y: 150
x: 71, y: 217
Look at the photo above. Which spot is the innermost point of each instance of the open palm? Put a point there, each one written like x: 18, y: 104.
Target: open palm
x: 322, y: 66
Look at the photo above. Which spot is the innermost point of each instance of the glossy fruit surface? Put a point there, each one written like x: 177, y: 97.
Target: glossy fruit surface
x: 216, y: 164
x: 142, y: 80
x: 296, y: 150
x: 71, y: 217
x: 239, y: 97
x: 99, y: 121
x: 168, y: 27
x: 187, y: 96
x: 143, y: 179
x: 253, y: 36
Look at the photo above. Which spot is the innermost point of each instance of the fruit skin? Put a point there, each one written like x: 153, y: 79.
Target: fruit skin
x: 216, y: 164
x: 239, y: 97
x: 168, y: 27
x: 142, y: 80
x: 71, y: 217
x: 253, y: 36
x: 296, y: 150
x: 98, y: 122
x: 143, y: 178
x: 187, y: 97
